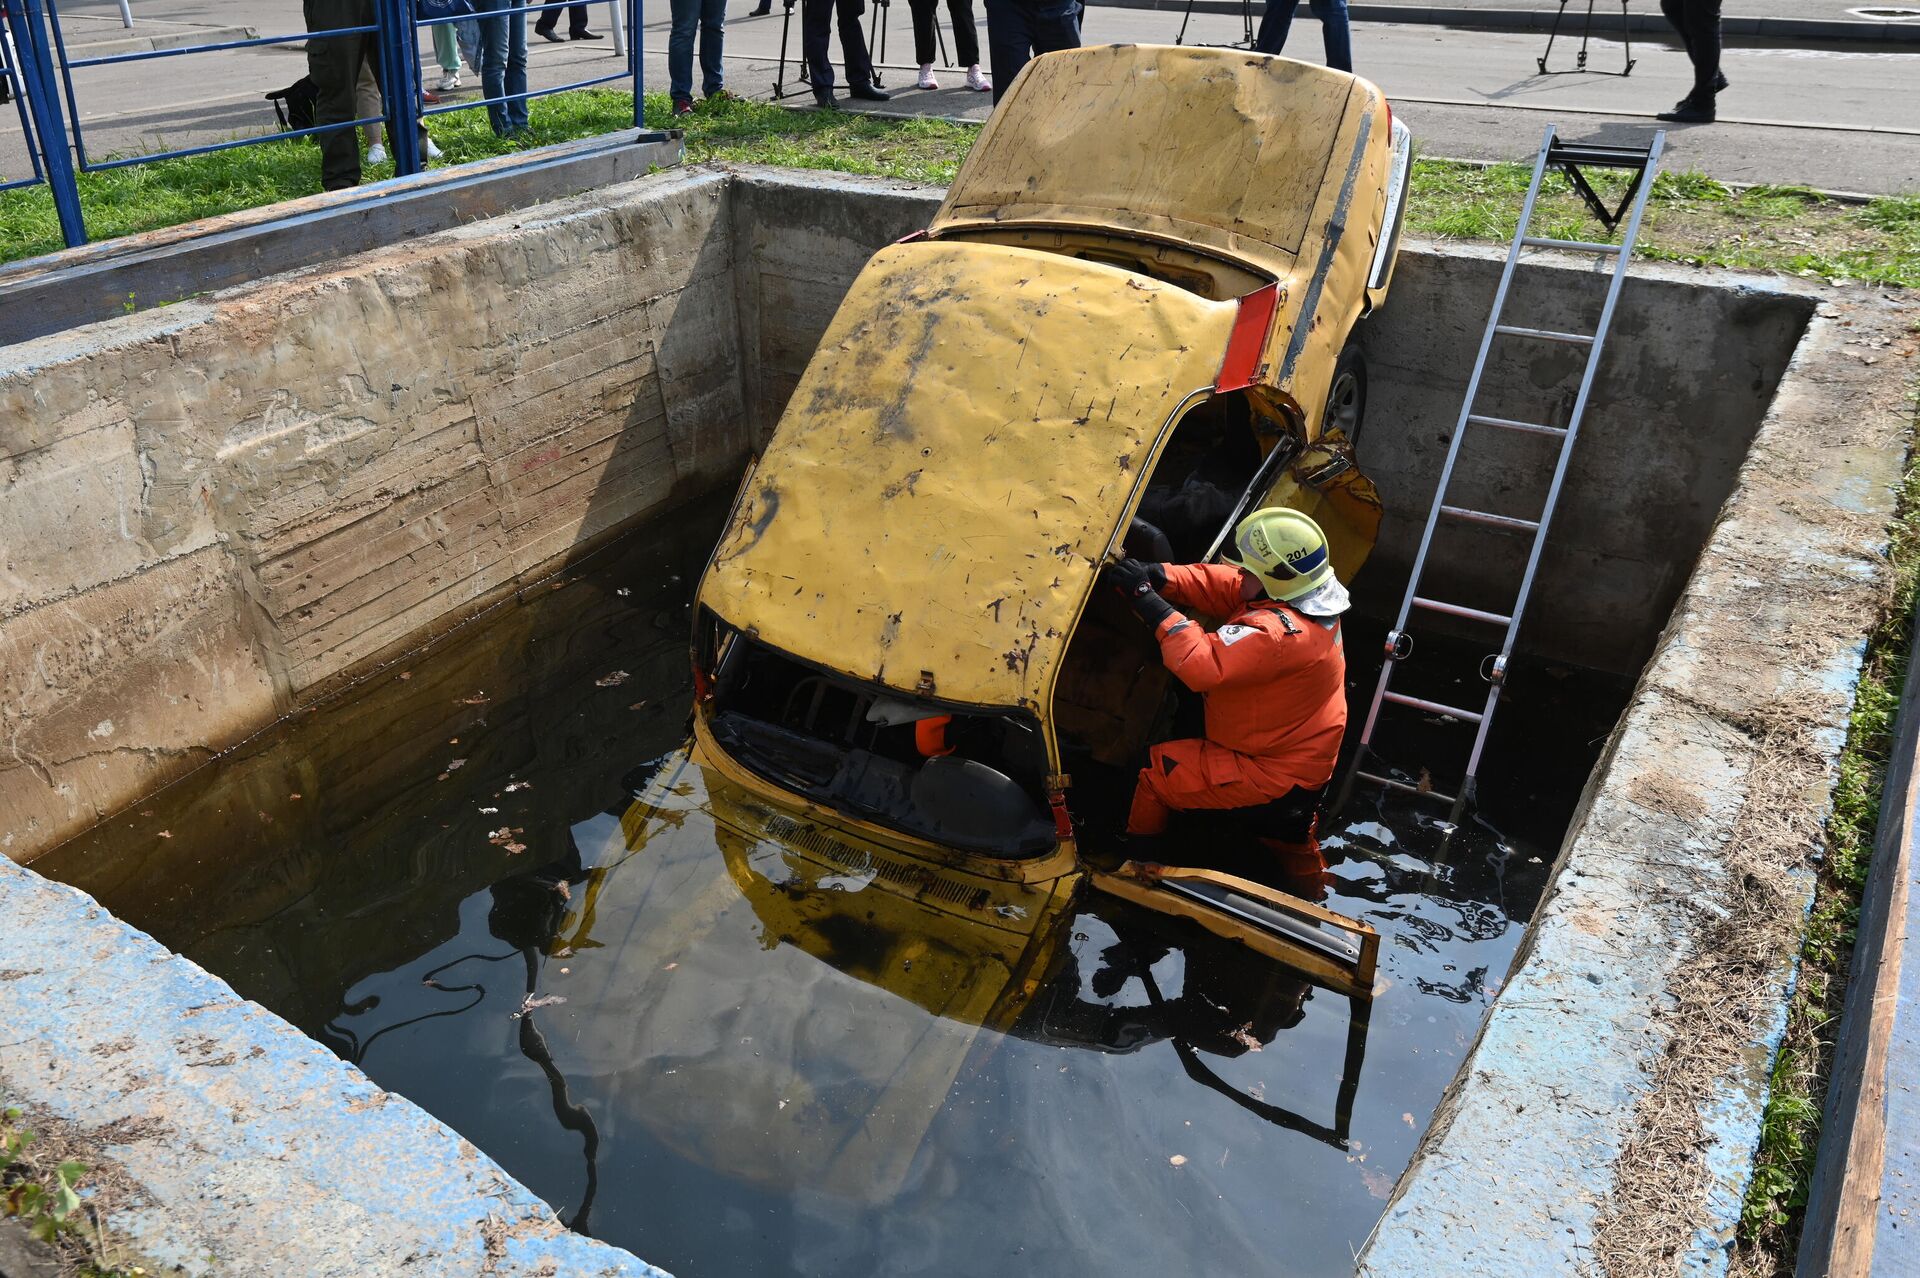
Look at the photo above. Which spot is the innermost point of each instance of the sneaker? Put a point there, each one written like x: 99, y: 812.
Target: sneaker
x: 977, y: 80
x: 926, y: 80
x: 449, y: 82
x: 427, y: 96
x: 683, y: 106
x: 433, y: 152
x: 1689, y: 110
x: 377, y: 153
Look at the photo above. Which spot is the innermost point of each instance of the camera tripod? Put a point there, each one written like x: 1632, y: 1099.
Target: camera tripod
x: 1246, y: 21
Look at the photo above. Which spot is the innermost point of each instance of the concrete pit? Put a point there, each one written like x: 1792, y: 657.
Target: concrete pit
x: 221, y: 512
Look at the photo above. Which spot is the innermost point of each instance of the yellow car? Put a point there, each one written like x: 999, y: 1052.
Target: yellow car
x: 1127, y: 320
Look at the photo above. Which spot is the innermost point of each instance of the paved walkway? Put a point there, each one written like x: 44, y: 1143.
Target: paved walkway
x: 1843, y: 119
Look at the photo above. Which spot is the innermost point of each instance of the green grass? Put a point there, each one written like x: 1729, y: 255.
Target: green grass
x: 1691, y: 217
x: 1790, y: 1129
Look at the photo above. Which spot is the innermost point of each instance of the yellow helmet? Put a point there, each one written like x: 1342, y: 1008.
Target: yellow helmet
x: 1288, y: 553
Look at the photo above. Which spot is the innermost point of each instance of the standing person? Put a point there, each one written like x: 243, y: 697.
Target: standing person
x: 446, y: 51
x: 503, y: 65
x: 1020, y: 30
x: 966, y: 41
x: 707, y: 19
x: 1698, y: 24
x: 1334, y: 30
x: 576, y: 24
x: 335, y: 64
x: 816, y: 26
x: 367, y: 105
x: 1274, y: 679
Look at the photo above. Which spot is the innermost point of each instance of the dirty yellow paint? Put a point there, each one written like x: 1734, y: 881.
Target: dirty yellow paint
x: 1276, y: 165
x: 954, y: 462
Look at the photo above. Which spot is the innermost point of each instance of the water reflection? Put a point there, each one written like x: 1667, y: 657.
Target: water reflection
x: 780, y: 1057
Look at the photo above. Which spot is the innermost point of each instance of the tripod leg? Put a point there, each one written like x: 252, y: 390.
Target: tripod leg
x: 1246, y: 21
x: 946, y: 59
x: 1182, y: 37
x: 780, y: 72
x: 1626, y: 34
x: 1586, y: 34
x: 1551, y: 35
x: 880, y: 10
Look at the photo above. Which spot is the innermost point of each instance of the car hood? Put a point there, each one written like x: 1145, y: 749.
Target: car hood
x: 952, y: 466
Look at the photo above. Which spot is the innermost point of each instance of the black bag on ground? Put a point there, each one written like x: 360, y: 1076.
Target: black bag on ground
x: 296, y: 104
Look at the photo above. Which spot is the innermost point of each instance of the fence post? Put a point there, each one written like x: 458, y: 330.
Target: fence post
x: 400, y: 78
x: 43, y: 104
x: 636, y: 49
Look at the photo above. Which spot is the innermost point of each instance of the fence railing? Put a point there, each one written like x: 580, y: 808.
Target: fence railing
x: 39, y: 74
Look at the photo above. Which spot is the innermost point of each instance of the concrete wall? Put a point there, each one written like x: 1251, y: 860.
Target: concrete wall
x: 209, y: 511
x: 1686, y: 376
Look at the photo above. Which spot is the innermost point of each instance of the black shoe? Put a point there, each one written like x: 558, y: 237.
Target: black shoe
x: 823, y: 98
x: 1719, y: 81
x: 586, y: 35
x: 869, y: 93
x: 762, y: 11
x: 1689, y: 111
x: 550, y: 34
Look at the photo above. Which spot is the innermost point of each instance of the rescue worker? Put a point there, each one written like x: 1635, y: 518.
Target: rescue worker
x: 1273, y: 675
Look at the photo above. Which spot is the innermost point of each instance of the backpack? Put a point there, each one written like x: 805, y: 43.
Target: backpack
x: 296, y: 104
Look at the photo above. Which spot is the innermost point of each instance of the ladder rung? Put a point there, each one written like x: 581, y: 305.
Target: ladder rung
x: 1461, y: 610
x: 1434, y: 707
x: 1392, y: 784
x: 1507, y: 423
x: 1577, y: 246
x: 1545, y: 334
x: 1490, y: 519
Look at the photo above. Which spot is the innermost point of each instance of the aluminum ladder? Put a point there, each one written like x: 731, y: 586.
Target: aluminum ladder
x: 1568, y: 158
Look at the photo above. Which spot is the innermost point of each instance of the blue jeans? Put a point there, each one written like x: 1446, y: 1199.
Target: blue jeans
x: 1333, y: 28
x: 709, y: 19
x: 503, y: 65
x: 1020, y: 30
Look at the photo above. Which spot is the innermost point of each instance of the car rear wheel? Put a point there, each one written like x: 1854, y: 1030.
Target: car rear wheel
x: 1347, y: 398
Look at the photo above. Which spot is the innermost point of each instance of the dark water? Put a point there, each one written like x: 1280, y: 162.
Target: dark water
x: 740, y: 1081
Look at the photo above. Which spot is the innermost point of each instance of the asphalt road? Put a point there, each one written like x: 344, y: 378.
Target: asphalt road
x: 1844, y: 120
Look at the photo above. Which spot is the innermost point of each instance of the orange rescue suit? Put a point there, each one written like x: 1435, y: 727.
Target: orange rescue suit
x: 1275, y: 686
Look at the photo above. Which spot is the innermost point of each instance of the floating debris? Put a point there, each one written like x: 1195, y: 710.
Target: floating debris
x: 612, y: 679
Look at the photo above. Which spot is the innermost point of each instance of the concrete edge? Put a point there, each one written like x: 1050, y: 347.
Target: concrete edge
x: 1790, y: 30
x: 94, y: 282
x: 1519, y: 1165
x: 113, y: 45
x: 248, y: 1148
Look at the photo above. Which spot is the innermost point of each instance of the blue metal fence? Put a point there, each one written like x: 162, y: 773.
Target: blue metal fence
x: 35, y: 65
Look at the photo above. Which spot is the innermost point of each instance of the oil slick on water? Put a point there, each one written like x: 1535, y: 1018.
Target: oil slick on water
x: 735, y: 1057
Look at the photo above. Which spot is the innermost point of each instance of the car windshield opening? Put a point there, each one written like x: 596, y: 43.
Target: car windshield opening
x: 1201, y: 478
x: 966, y: 778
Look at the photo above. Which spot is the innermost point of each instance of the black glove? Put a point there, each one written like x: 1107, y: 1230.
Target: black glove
x: 1139, y: 584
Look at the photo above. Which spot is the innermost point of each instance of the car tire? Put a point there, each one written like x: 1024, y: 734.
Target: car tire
x: 1347, y: 396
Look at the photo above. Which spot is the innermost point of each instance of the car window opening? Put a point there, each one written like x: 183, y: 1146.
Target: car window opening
x: 1114, y: 696
x: 968, y: 779
x: 1179, y: 265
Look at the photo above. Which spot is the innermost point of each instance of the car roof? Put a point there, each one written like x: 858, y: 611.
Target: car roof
x: 1221, y: 148
x: 952, y: 466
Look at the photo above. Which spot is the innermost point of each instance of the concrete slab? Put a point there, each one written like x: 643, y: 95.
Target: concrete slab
x: 235, y: 1144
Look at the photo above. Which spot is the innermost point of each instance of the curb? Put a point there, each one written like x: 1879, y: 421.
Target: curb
x: 1788, y: 30
x: 118, y: 44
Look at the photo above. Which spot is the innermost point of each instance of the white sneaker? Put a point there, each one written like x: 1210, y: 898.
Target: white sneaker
x: 978, y: 82
x: 926, y: 80
x: 449, y: 82
x: 377, y: 153
x: 433, y: 152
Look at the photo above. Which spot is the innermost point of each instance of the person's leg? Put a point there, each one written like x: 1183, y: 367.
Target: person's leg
x: 923, y: 19
x: 366, y: 104
x: 544, y: 24
x: 446, y: 48
x: 853, y: 44
x: 713, y: 43
x: 493, y: 62
x: 680, y: 33
x: 966, y: 40
x: 577, y: 23
x: 1009, y: 42
x: 1288, y: 828
x: 334, y: 65
x: 516, y: 71
x: 1703, y: 46
x: 1056, y: 26
x: 816, y: 28
x: 1675, y: 12
x: 1274, y: 25
x: 1188, y: 776
x: 1335, y: 33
